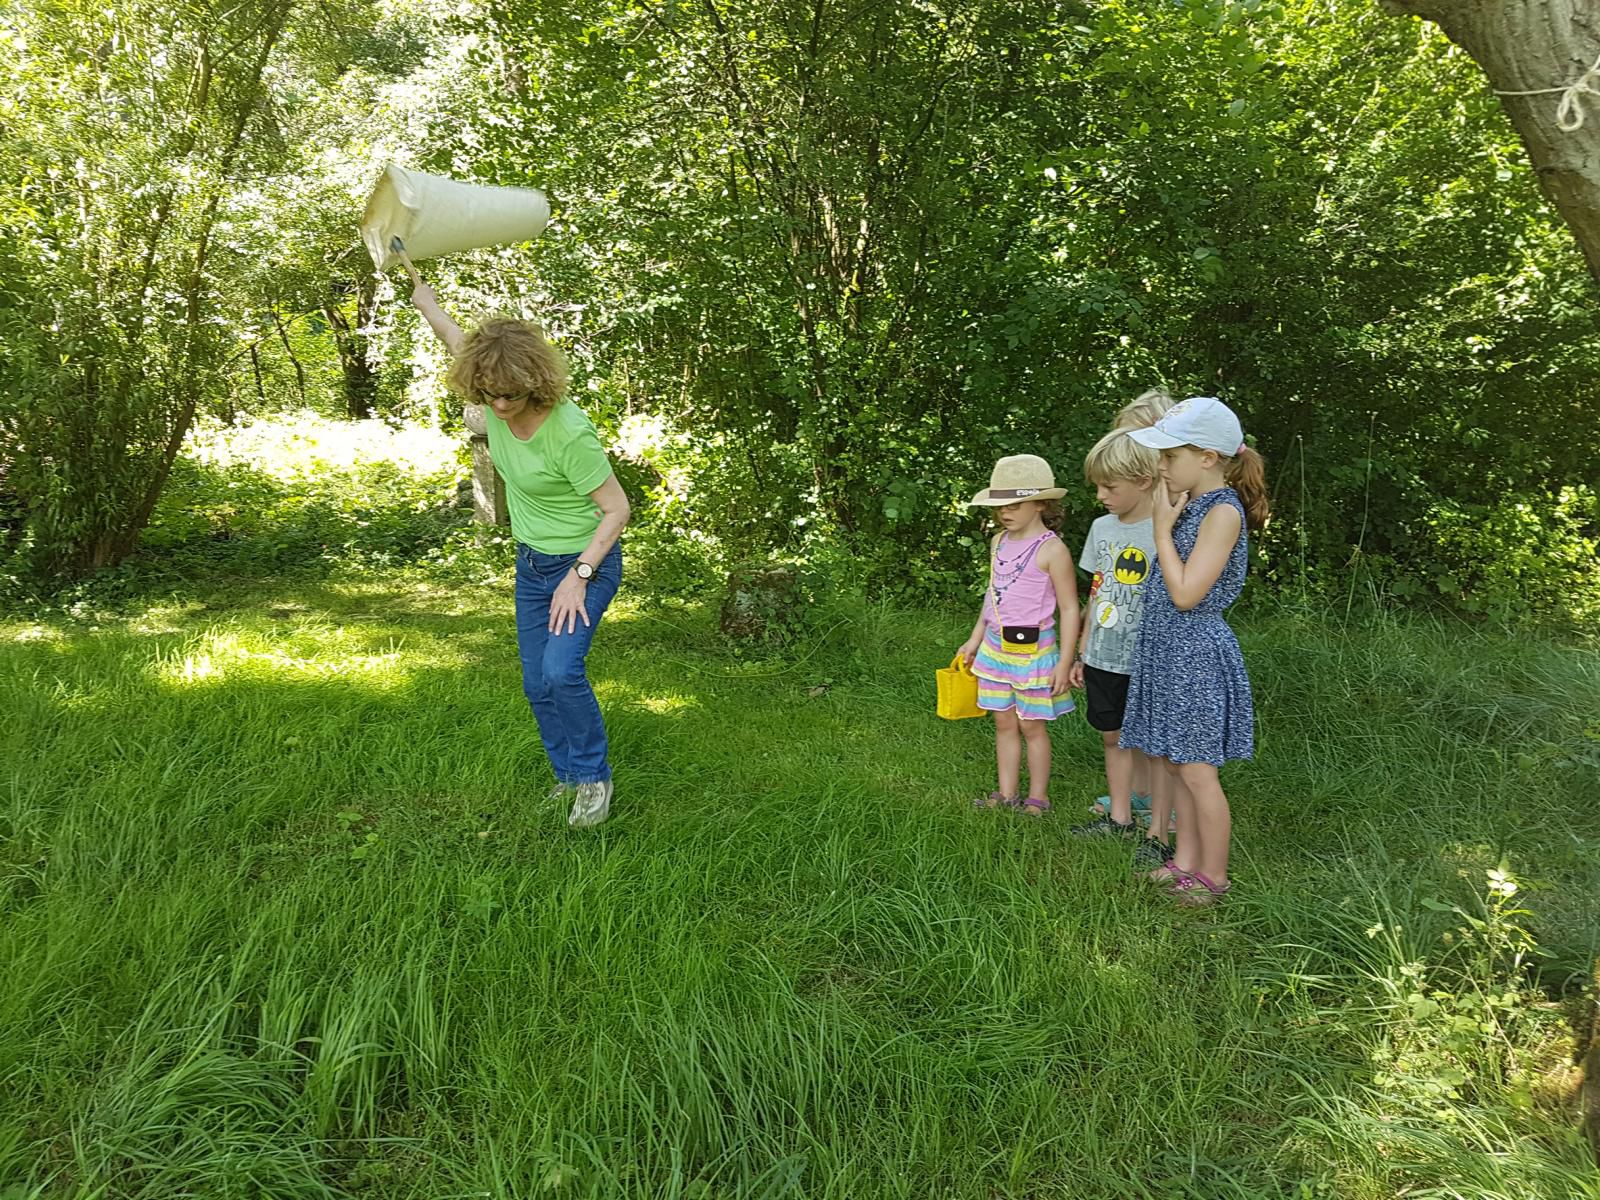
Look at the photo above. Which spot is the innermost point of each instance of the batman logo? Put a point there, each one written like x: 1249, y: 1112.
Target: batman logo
x: 1132, y: 566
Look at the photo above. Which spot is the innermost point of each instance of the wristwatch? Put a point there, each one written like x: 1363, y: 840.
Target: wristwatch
x: 584, y: 570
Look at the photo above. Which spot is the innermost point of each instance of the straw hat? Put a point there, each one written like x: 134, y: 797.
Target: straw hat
x: 1019, y: 477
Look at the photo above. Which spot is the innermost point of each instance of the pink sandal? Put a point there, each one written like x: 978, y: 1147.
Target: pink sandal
x: 1193, y: 890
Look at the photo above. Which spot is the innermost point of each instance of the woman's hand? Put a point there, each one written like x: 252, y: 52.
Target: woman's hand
x: 422, y: 295
x: 1061, y: 679
x: 567, y: 604
x: 1167, y: 507
x: 969, y: 650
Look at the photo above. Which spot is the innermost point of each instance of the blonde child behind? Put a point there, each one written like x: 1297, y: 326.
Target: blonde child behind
x: 1118, y: 554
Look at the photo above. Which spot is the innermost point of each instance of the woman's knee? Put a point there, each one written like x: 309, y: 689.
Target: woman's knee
x: 564, y: 675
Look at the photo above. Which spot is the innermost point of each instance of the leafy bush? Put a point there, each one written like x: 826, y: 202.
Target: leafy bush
x: 305, y: 491
x: 1532, y: 556
x: 830, y: 342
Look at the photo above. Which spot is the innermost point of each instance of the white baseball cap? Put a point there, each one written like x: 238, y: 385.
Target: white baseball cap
x: 1202, y: 421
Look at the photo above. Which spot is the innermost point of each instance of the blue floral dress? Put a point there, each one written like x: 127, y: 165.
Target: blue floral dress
x: 1189, y: 697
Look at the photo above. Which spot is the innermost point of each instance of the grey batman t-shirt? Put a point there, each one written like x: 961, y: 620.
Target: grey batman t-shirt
x: 1119, y: 558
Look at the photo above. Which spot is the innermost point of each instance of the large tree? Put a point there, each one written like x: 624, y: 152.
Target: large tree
x: 169, y: 212
x: 1542, y: 59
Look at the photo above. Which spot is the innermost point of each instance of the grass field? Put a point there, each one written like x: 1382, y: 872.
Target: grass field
x: 286, y: 914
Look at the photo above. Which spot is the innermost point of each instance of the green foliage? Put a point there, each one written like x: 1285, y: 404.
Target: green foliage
x: 175, y: 239
x: 819, y: 267
x: 132, y: 126
x: 301, y: 490
x: 1528, y: 557
x: 842, y: 262
x: 293, y: 494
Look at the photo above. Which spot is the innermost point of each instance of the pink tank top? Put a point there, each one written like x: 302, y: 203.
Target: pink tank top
x: 1020, y: 592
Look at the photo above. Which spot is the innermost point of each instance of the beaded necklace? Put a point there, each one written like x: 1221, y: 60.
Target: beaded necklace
x: 1021, y: 558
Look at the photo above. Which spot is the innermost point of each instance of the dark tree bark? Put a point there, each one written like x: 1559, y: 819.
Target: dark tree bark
x: 352, y: 341
x: 1536, y: 46
x: 299, y: 371
x: 261, y: 390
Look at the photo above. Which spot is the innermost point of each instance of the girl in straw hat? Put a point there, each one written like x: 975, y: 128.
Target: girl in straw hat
x: 1030, y: 610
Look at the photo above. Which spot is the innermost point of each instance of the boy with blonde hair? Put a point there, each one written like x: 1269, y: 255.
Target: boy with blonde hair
x: 1118, y: 555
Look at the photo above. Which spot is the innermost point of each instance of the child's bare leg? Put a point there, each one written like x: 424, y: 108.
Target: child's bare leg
x: 1119, y: 777
x: 1160, y: 794
x: 1187, y: 854
x: 1037, y: 734
x: 1008, y: 751
x: 1213, y: 823
x: 1143, y: 776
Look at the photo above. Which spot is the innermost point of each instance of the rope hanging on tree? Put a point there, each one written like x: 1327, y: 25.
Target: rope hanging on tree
x: 1569, y: 113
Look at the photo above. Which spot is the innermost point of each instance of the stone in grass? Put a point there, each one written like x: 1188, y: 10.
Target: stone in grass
x: 762, y: 602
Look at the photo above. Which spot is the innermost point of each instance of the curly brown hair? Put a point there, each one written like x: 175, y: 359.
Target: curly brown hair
x: 1246, y: 473
x: 507, y: 357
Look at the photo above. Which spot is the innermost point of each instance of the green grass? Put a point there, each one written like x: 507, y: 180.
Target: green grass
x: 285, y: 914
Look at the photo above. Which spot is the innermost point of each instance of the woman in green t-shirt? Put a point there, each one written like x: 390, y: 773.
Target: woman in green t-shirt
x: 567, y: 512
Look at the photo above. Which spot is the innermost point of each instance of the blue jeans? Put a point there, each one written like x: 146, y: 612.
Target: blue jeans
x: 553, y: 676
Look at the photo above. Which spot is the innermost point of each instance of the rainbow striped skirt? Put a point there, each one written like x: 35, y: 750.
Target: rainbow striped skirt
x: 1019, y: 681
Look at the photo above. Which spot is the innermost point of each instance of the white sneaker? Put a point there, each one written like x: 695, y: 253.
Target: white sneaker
x: 591, y: 805
x: 559, y: 793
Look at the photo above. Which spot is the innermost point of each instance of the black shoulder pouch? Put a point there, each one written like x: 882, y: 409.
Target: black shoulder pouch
x: 1019, y: 638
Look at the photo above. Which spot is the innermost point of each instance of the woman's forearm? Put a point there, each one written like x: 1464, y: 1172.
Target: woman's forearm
x: 605, y: 536
x: 443, y: 326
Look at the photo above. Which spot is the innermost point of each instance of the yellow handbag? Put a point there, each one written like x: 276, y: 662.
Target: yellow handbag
x: 958, y: 691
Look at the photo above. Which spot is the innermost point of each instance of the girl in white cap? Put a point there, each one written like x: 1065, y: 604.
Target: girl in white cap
x: 1189, y: 697
x: 1030, y: 610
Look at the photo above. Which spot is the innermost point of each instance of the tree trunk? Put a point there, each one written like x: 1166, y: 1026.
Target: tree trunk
x: 351, y: 340
x: 116, y: 544
x: 299, y: 371
x: 1531, y: 46
x: 261, y: 390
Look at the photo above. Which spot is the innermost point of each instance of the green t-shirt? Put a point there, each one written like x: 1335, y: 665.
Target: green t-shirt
x: 549, y: 478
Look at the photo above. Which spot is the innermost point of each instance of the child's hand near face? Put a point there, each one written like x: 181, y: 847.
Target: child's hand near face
x: 1167, y: 507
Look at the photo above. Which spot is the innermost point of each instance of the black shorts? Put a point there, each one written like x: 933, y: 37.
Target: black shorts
x: 1105, y: 695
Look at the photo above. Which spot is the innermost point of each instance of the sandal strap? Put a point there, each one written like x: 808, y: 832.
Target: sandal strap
x: 996, y: 799
x: 1188, y: 881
